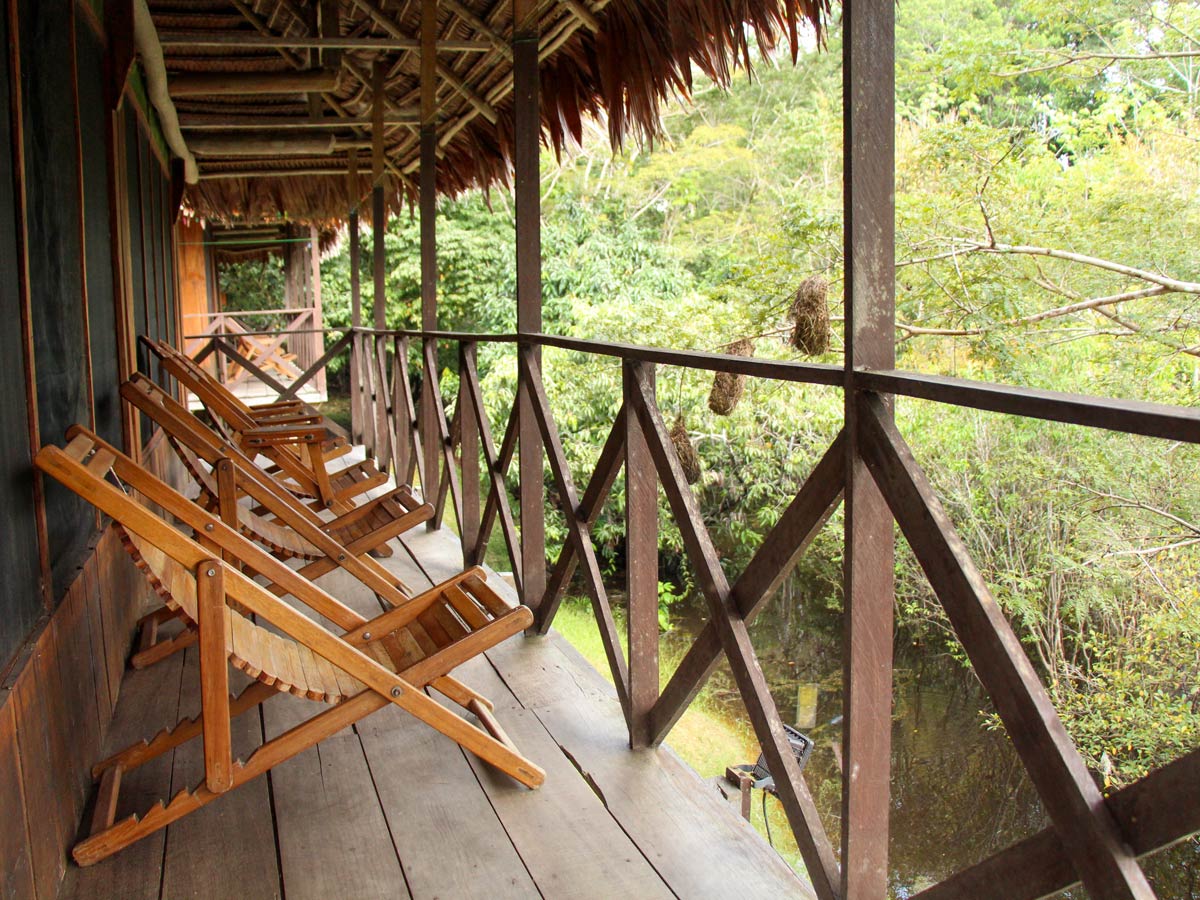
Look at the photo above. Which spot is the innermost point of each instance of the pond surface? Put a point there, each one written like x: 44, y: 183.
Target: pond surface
x: 959, y: 791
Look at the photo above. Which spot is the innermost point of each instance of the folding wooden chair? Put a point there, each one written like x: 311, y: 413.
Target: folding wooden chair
x: 285, y: 525
x: 388, y: 659
x: 297, y: 443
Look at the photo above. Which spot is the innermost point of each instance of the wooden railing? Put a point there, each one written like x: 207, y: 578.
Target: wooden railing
x: 242, y: 352
x: 1091, y: 837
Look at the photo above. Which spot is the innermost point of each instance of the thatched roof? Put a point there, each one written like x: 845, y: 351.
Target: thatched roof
x: 619, y: 58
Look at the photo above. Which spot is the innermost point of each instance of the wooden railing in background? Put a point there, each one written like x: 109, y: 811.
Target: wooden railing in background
x: 284, y: 355
x: 1091, y: 837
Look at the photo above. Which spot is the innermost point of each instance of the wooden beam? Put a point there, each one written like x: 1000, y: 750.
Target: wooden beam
x: 641, y: 563
x: 800, y: 523
x: 214, y: 122
x: 429, y: 264
x: 527, y: 190
x: 120, y: 51
x: 735, y: 641
x: 496, y: 41
x: 262, y: 144
x: 583, y: 13
x: 223, y: 39
x: 378, y: 206
x: 869, y: 211
x: 1175, y: 423
x: 468, y: 425
x: 379, y: 17
x: 1090, y: 835
x: 269, y: 172
x: 211, y: 84
x: 1153, y: 813
x: 330, y: 28
x: 608, y: 466
x: 578, y: 531
x: 212, y: 625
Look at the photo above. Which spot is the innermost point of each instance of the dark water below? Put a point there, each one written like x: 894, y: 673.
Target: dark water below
x: 959, y: 791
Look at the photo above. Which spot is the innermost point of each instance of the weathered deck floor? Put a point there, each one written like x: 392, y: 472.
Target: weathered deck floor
x: 393, y: 809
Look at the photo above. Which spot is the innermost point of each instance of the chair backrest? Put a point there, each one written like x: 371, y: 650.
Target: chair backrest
x: 231, y: 416
x: 168, y: 558
x: 217, y: 399
x: 85, y: 466
x: 264, y: 655
x: 302, y: 533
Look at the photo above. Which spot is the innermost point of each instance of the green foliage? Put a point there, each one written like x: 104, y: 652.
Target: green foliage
x: 1014, y: 136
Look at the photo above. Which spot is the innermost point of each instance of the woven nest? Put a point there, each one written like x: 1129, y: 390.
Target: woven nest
x: 810, y: 312
x: 689, y: 459
x: 727, y: 387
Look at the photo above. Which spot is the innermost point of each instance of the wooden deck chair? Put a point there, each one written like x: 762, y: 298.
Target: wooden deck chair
x: 288, y: 528
x: 373, y: 663
x: 299, y: 445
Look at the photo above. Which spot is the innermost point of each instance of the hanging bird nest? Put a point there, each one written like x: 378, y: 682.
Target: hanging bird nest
x: 689, y: 459
x: 727, y: 387
x: 810, y: 311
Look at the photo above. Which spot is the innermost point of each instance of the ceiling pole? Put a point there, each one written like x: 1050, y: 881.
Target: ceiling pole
x: 868, y: 73
x: 430, y: 442
x: 354, y: 192
x: 378, y: 207
x: 526, y: 146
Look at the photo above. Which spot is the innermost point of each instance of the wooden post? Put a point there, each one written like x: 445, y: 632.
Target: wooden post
x: 378, y: 249
x: 469, y: 447
x: 430, y: 439
x: 214, y: 676
x: 378, y: 206
x: 357, y: 426
x: 869, y: 198
x: 641, y: 565
x: 526, y: 148
x: 317, y: 346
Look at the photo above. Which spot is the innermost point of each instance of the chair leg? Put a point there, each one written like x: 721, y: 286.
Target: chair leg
x: 150, y: 649
x: 183, y: 731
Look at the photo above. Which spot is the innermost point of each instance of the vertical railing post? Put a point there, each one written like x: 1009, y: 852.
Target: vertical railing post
x: 468, y: 528
x: 383, y: 399
x: 431, y: 443
x: 641, y: 564
x: 431, y: 437
x: 527, y: 190
x: 356, y: 409
x: 868, y: 72
x: 400, y: 439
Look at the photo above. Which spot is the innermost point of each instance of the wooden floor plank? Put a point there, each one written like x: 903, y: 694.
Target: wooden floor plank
x: 540, y: 674
x: 333, y: 838
x: 450, y: 841
x: 393, y: 805
x: 681, y: 824
x: 439, y: 552
x: 564, y: 835
x: 148, y: 701
x: 226, y: 849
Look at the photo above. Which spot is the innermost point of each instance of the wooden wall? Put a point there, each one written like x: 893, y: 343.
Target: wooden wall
x: 88, y: 249
x: 55, y: 707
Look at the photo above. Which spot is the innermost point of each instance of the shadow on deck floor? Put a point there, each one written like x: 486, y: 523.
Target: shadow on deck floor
x: 392, y: 808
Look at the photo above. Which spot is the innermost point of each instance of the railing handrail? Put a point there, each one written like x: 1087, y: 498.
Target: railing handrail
x: 1142, y: 417
x: 231, y: 313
